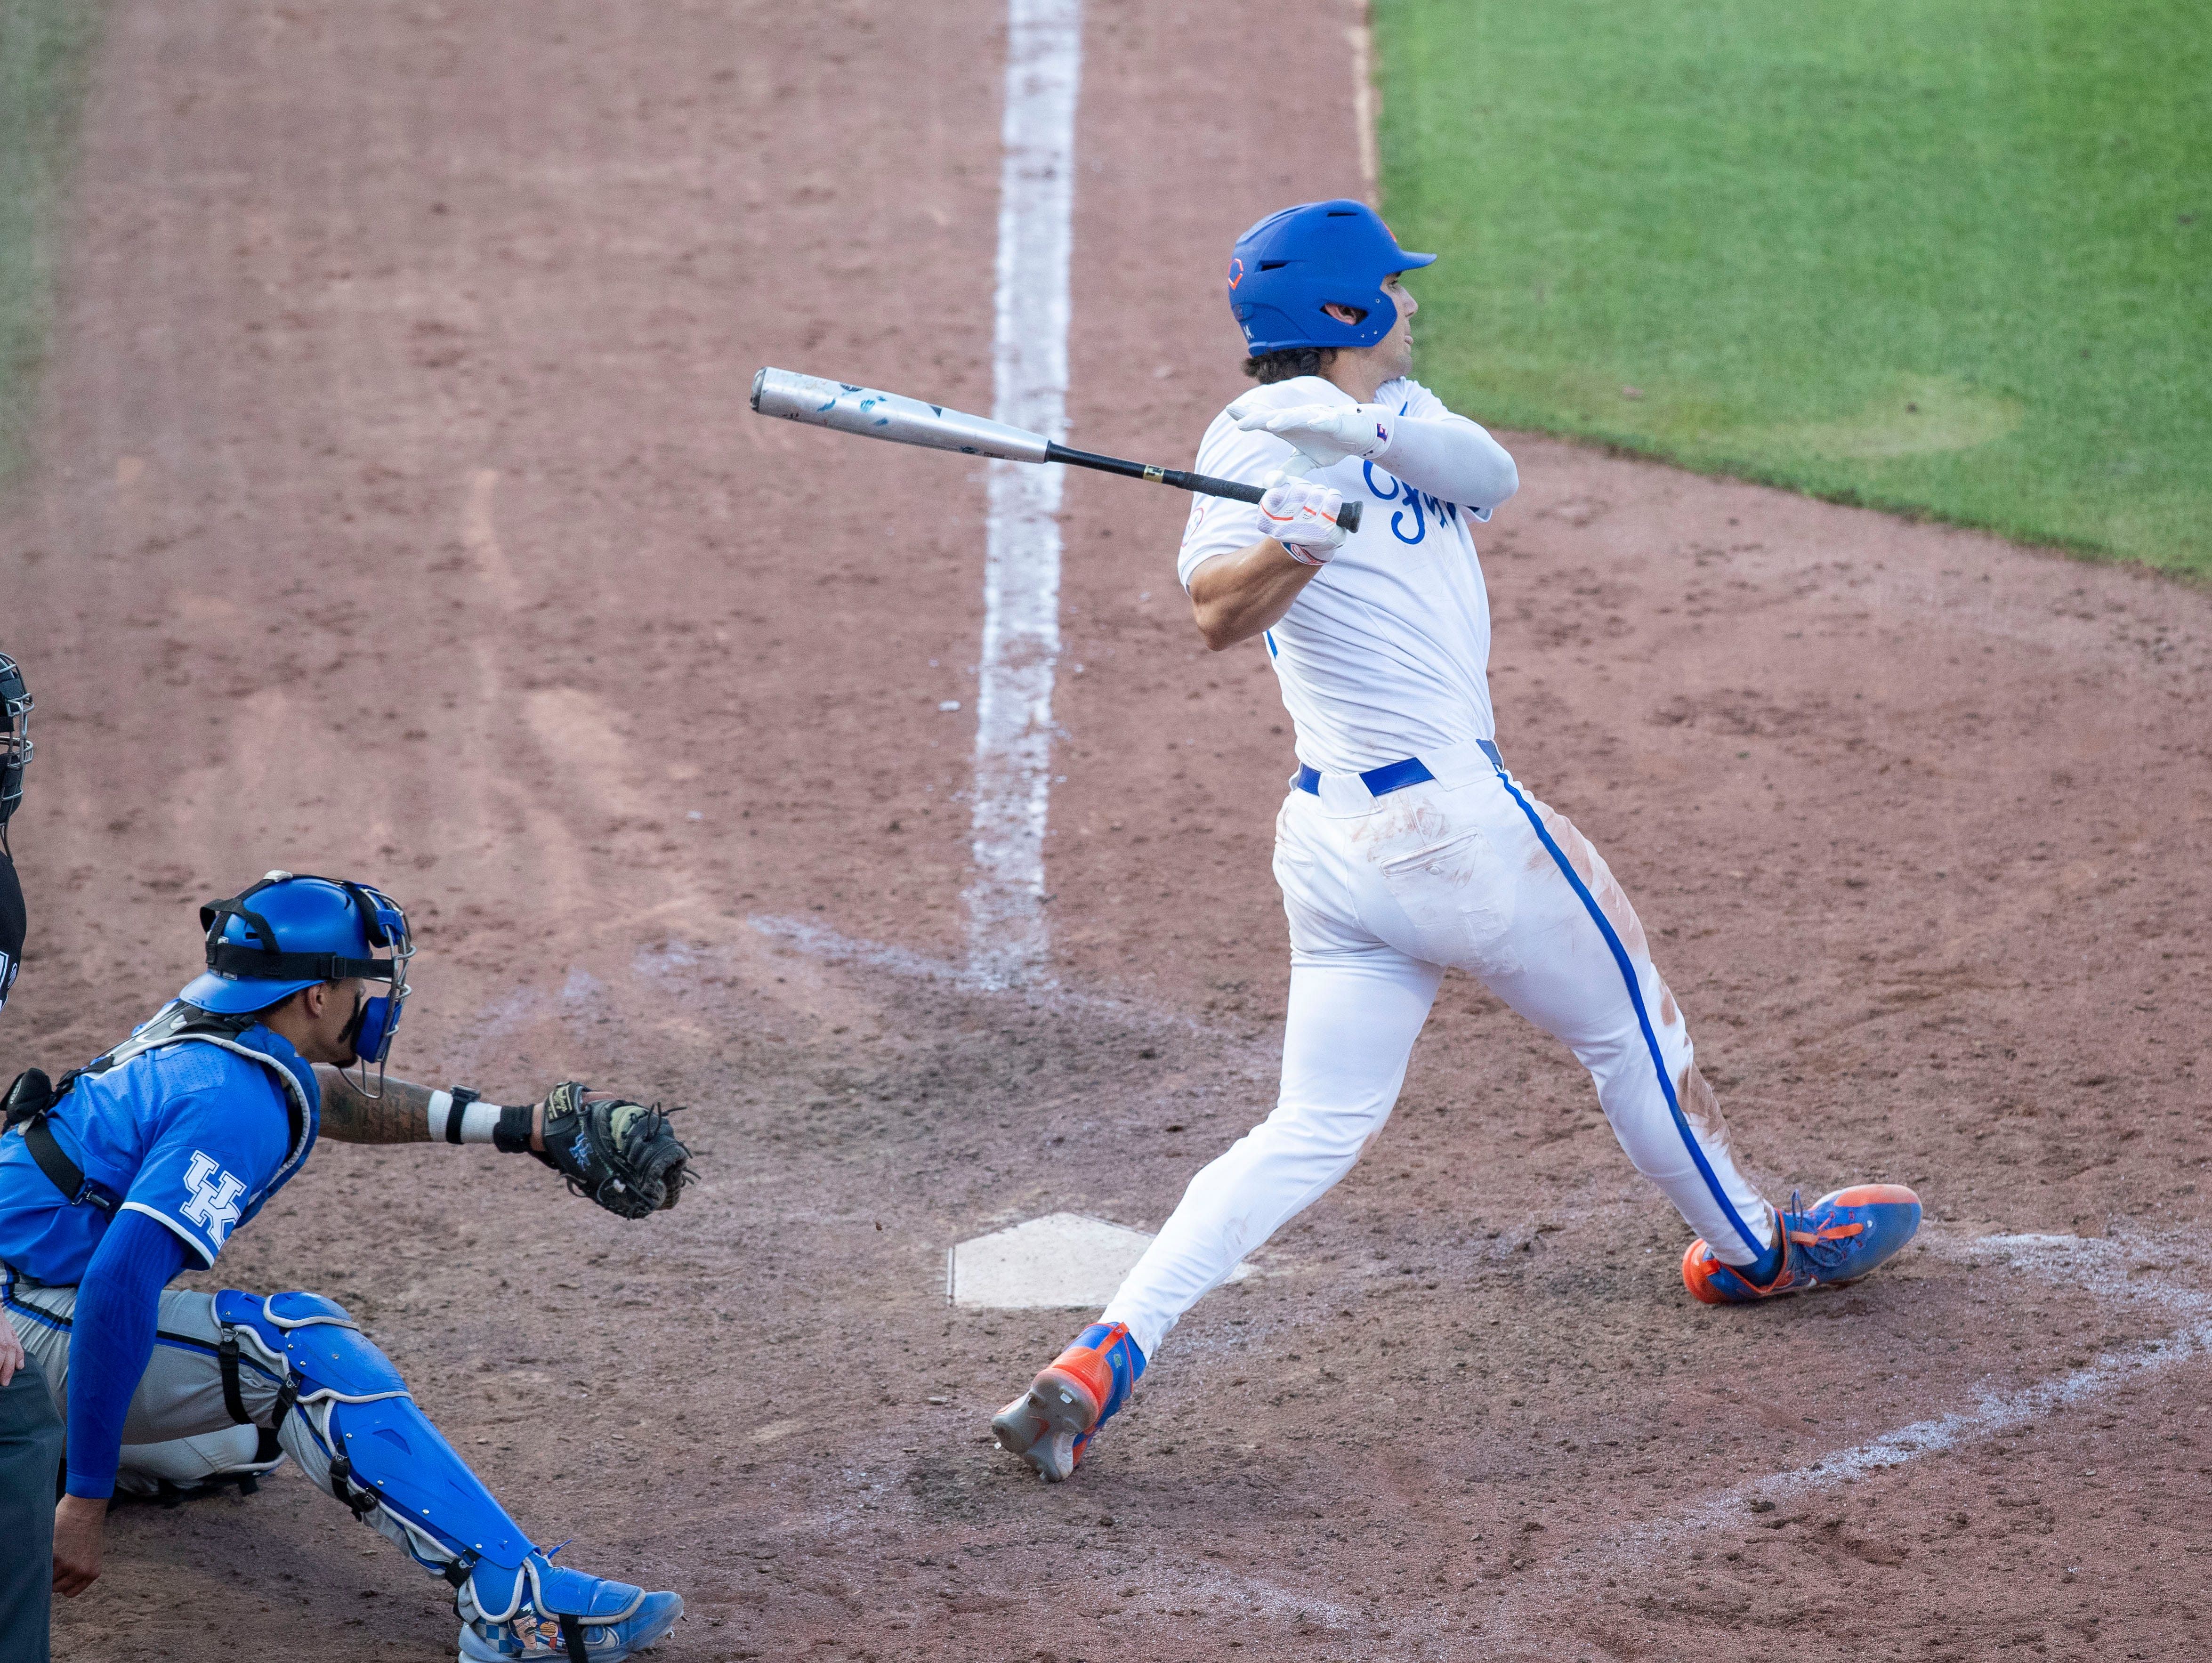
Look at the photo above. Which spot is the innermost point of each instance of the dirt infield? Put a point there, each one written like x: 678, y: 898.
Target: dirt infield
x: 397, y: 513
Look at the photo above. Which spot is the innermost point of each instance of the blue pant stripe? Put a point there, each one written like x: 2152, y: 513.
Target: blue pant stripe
x: 1643, y: 1017
x: 161, y: 1336
x: 40, y: 1317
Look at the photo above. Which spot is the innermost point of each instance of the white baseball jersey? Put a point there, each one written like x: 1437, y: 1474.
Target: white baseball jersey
x: 1386, y: 653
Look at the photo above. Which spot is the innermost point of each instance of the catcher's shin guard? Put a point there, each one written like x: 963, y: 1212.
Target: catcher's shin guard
x: 379, y: 1455
x: 1051, y: 1424
x: 367, y: 1441
x: 1838, y: 1240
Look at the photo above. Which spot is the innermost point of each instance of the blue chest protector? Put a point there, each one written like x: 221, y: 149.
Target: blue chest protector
x: 32, y: 1098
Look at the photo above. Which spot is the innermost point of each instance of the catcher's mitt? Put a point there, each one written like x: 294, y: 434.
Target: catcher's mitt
x: 622, y: 1155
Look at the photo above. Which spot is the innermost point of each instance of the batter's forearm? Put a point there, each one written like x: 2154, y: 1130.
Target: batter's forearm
x: 1236, y: 597
x: 1454, y: 460
x: 400, y: 1115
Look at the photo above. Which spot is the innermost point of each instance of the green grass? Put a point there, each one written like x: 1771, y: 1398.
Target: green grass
x: 45, y: 47
x: 1951, y: 257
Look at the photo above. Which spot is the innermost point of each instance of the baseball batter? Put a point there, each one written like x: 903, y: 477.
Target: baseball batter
x: 1406, y: 845
x: 141, y: 1166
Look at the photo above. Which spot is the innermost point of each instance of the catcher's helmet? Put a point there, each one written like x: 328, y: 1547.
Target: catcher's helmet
x: 285, y: 933
x: 1287, y: 267
x: 15, y: 707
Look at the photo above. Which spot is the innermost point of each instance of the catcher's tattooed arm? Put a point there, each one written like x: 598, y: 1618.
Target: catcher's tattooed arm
x: 622, y: 1155
x: 399, y: 1116
x: 403, y: 1114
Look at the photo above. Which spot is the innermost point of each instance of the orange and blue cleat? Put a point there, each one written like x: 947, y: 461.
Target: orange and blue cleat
x: 1052, y: 1424
x: 1841, y: 1237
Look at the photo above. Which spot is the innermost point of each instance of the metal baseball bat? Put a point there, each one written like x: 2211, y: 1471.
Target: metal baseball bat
x: 904, y: 421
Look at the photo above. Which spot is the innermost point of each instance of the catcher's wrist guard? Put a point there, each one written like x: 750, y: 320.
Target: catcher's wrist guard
x: 511, y: 1135
x: 457, y: 1116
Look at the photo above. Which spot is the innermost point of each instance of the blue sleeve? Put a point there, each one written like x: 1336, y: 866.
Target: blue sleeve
x: 212, y: 1154
x: 111, y: 1340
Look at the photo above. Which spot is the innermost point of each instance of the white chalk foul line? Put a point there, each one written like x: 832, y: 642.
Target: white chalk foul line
x: 1360, y: 37
x: 1021, y: 571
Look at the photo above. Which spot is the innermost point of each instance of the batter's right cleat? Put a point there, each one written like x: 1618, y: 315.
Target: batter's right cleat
x: 1052, y: 1424
x: 1842, y: 1237
x: 561, y: 1616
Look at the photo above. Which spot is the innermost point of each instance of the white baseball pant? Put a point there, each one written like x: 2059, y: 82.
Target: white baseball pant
x: 177, y: 1417
x: 1464, y: 871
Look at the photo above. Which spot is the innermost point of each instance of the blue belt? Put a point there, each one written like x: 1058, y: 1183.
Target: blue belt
x: 1391, y: 776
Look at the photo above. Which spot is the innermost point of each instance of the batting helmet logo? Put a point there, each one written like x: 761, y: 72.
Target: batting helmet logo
x: 1236, y: 274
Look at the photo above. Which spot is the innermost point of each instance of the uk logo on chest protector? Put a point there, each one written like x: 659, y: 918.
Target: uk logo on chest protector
x: 215, y: 1193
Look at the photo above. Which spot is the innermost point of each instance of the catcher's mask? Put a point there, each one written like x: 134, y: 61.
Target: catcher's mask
x: 15, y: 707
x: 287, y: 932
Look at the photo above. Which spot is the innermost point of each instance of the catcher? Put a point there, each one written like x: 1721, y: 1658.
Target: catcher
x: 141, y: 1164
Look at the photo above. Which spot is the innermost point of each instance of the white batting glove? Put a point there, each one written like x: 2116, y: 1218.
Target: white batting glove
x: 1327, y: 433
x: 1302, y: 517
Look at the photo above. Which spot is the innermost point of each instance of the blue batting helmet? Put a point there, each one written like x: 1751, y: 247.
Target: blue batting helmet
x: 1287, y: 267
x: 285, y: 933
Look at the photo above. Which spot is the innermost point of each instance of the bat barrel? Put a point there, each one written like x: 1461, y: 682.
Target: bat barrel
x: 875, y: 415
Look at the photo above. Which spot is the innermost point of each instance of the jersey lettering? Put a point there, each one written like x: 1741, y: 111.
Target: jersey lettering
x: 1423, y: 506
x: 214, y: 1204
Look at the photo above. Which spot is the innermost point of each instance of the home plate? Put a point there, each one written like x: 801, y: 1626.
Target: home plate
x: 1062, y: 1259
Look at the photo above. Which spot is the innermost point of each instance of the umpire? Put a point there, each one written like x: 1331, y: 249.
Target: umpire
x: 30, y: 1427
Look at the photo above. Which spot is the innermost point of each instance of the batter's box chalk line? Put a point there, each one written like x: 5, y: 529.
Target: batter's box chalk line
x: 2125, y: 1267
x: 2101, y: 1267
x: 2111, y: 1269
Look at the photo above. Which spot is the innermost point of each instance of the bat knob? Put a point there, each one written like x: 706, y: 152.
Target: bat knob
x: 759, y: 376
x: 1348, y: 515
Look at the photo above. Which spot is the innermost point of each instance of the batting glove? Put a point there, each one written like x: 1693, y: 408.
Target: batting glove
x: 1329, y: 433
x: 1302, y: 517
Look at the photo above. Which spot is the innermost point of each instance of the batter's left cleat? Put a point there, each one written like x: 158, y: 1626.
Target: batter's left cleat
x: 563, y: 1616
x: 1052, y: 1424
x: 1841, y: 1237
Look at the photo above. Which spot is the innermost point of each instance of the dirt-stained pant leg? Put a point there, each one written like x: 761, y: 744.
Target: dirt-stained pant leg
x: 1356, y: 1003
x: 1383, y: 894
x: 1498, y: 885
x: 1353, y: 1017
x: 181, y: 1394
